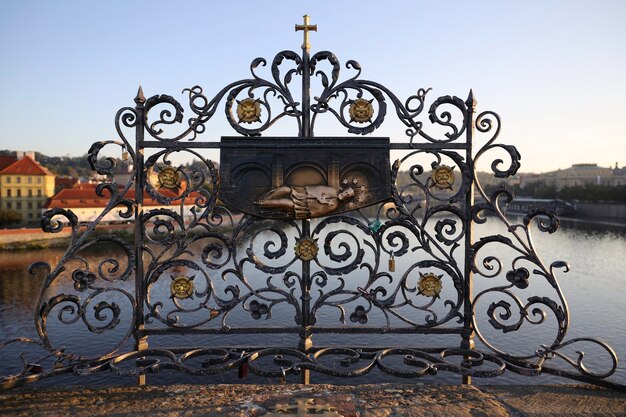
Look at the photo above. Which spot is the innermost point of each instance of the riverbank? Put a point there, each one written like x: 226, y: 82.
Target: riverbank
x: 611, y: 212
x: 376, y: 400
x: 20, y: 239
x: 35, y: 238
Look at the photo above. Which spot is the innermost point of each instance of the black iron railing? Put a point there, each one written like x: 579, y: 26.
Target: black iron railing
x: 230, y: 252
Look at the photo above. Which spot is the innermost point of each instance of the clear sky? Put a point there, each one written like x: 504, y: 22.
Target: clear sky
x: 553, y: 70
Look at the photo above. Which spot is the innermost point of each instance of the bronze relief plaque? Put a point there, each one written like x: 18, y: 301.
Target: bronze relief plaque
x: 293, y: 178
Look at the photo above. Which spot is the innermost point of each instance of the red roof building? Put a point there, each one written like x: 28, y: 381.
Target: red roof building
x: 83, y: 201
x: 25, y: 186
x: 64, y: 182
x: 25, y: 166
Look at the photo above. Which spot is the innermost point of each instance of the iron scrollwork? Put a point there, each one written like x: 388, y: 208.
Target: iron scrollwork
x: 199, y: 266
x: 524, y: 267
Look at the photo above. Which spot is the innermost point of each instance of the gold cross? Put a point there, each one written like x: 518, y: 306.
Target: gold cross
x: 306, y: 28
x: 302, y: 408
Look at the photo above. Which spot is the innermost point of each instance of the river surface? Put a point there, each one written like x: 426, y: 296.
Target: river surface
x: 595, y: 289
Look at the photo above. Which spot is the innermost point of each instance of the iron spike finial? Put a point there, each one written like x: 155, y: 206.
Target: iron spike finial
x: 471, y: 101
x: 140, y: 98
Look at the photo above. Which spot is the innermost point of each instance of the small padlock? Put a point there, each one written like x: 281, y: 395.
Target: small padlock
x: 243, y: 368
x: 124, y: 154
x: 392, y: 263
x: 283, y: 379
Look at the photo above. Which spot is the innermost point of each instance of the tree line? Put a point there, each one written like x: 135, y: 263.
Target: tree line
x: 588, y: 193
x: 72, y: 166
x: 540, y: 188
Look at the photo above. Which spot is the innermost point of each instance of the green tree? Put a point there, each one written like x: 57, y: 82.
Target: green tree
x: 9, y: 217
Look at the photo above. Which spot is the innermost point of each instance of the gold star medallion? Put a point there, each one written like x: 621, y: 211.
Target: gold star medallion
x: 429, y: 284
x: 248, y: 110
x: 181, y: 287
x: 169, y: 178
x: 442, y: 177
x: 361, y: 111
x: 306, y: 249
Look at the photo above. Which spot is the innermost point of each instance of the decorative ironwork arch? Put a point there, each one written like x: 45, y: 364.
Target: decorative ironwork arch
x: 196, y: 263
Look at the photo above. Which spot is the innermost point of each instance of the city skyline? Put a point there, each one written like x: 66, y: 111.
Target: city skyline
x: 553, y: 72
x: 32, y: 153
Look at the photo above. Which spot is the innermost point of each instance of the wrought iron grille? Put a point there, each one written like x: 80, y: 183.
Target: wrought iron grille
x: 400, y: 259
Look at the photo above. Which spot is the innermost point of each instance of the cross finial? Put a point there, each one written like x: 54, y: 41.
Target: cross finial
x: 306, y: 28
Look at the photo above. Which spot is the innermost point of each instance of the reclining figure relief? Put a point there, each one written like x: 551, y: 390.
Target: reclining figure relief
x: 304, y: 202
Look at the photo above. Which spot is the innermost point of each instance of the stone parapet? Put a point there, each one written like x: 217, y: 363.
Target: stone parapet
x: 376, y: 400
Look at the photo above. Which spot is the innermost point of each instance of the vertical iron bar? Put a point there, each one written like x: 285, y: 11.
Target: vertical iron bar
x: 306, y: 95
x: 468, y: 338
x: 306, y: 342
x: 141, y: 340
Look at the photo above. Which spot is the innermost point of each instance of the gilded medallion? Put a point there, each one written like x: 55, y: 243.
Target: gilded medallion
x: 442, y: 177
x: 248, y: 110
x: 169, y: 178
x: 361, y: 111
x: 306, y: 249
x: 181, y: 286
x: 429, y: 284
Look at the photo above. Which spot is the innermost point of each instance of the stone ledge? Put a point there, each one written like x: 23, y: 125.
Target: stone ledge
x: 380, y: 400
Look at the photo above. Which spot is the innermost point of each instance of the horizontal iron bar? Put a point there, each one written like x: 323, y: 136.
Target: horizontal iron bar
x: 434, y: 146
x: 219, y: 145
x: 584, y: 378
x: 350, y: 142
x: 253, y: 348
x: 219, y: 330
x: 180, y: 144
x: 394, y: 330
x: 318, y: 330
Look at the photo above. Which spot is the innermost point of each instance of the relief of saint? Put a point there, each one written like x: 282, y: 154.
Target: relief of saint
x: 304, y: 202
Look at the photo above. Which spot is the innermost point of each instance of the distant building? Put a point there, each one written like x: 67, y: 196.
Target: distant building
x: 522, y: 205
x: 25, y: 186
x: 585, y: 174
x: 64, y: 182
x: 122, y: 174
x: 83, y: 201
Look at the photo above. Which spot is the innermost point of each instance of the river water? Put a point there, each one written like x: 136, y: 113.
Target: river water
x: 595, y: 289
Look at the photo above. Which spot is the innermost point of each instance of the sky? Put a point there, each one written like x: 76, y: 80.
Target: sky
x: 553, y: 70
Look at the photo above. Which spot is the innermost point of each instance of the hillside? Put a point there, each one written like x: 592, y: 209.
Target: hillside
x: 76, y: 166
